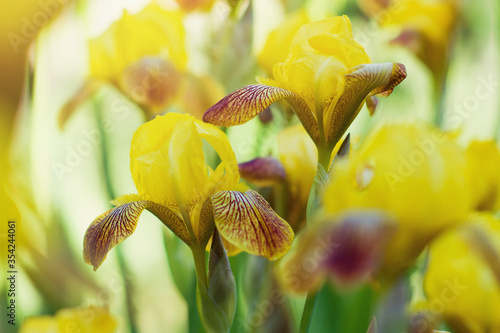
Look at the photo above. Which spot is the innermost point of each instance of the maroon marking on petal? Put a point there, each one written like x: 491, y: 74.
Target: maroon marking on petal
x: 262, y: 171
x: 244, y: 104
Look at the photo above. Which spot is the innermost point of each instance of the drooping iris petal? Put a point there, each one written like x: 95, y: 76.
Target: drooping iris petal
x: 167, y: 161
x: 364, y: 80
x: 244, y: 104
x: 262, y: 171
x: 249, y: 222
x: 347, y: 247
x: 117, y: 224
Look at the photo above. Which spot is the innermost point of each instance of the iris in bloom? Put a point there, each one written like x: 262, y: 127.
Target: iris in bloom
x: 461, y: 282
x: 426, y: 27
x: 326, y: 79
x: 414, y: 173
x: 143, y: 55
x: 175, y: 184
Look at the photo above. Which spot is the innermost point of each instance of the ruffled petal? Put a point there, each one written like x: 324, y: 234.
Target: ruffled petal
x: 248, y: 221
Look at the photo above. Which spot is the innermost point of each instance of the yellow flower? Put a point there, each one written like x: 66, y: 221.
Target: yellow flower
x: 483, y: 179
x: 411, y: 171
x: 326, y: 78
x: 459, y: 284
x: 426, y: 26
x: 151, y: 32
x: 143, y: 55
x: 175, y: 184
x: 278, y: 42
x: 90, y: 319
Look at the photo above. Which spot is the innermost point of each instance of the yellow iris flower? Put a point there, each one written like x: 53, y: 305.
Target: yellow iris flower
x: 460, y: 285
x: 326, y: 78
x: 426, y: 27
x: 143, y: 55
x: 90, y: 319
x: 413, y: 172
x: 175, y: 184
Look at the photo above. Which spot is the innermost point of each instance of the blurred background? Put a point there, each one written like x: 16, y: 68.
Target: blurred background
x: 68, y: 112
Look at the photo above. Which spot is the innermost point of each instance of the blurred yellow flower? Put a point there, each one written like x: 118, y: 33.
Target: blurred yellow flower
x: 483, y: 178
x: 90, y: 319
x: 412, y: 171
x: 326, y: 78
x: 426, y: 27
x: 278, y: 42
x: 460, y: 285
x: 143, y: 55
x: 151, y: 32
x: 188, y: 196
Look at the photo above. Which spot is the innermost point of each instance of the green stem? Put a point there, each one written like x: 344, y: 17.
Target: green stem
x: 307, y: 314
x: 129, y: 290
x: 324, y: 154
x: 314, y: 202
x: 439, y: 94
x: 200, y: 265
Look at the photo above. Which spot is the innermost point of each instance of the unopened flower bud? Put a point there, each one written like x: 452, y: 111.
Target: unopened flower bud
x: 217, y: 304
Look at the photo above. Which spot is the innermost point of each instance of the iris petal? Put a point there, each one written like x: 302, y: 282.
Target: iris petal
x: 244, y: 104
x: 117, y: 224
x: 363, y: 81
x: 248, y: 221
